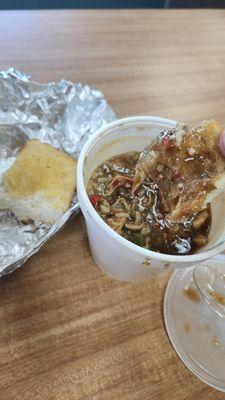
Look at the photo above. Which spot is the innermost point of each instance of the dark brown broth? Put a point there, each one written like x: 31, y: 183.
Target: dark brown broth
x: 139, y: 217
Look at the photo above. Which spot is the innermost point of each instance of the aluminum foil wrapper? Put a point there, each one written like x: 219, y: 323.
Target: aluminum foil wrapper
x: 62, y: 114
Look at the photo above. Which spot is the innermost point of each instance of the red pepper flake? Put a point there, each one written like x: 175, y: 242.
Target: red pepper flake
x: 168, y: 143
x: 130, y: 181
x: 122, y: 182
x: 136, y: 192
x: 176, y: 175
x: 156, y: 225
x: 115, y: 182
x: 95, y: 199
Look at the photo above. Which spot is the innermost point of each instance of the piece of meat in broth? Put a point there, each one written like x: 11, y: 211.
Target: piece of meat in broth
x: 187, y: 166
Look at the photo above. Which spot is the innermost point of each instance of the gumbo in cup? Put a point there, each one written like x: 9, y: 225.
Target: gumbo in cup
x: 115, y: 255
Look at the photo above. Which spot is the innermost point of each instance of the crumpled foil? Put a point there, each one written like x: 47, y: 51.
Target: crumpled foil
x: 62, y: 114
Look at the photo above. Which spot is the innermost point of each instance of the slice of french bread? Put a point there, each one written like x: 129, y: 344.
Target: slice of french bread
x: 40, y: 184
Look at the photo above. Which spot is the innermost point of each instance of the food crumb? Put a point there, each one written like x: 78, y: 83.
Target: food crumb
x: 215, y: 341
x: 187, y: 327
x: 191, y: 151
x: 191, y: 293
x: 207, y: 328
x: 146, y: 263
x: 219, y: 298
x: 166, y: 265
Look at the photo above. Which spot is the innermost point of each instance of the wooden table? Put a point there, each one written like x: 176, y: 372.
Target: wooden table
x: 69, y: 332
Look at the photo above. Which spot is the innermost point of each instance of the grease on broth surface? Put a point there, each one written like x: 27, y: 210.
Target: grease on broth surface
x: 138, y: 215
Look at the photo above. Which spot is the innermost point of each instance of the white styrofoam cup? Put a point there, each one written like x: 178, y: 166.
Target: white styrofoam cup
x: 116, y: 256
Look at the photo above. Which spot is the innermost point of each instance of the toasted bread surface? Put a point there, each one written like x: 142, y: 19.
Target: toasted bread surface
x: 43, y: 172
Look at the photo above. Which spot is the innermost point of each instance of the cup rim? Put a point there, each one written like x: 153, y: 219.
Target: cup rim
x: 197, y: 257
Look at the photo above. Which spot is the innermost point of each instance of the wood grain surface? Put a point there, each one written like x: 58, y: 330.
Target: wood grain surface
x: 68, y: 332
